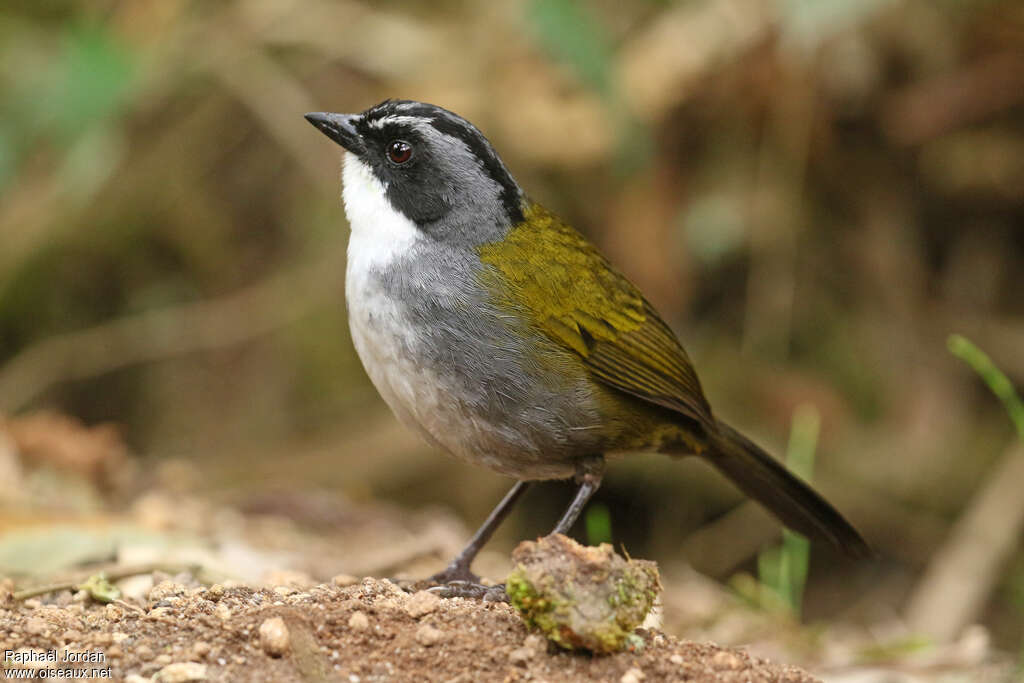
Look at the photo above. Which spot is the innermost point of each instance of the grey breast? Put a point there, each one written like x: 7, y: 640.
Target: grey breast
x: 506, y: 410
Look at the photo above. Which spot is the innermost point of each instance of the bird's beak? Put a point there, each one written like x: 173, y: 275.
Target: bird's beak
x: 338, y: 127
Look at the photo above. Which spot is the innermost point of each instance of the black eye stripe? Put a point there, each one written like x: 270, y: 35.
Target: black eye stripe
x: 407, y: 120
x: 492, y: 165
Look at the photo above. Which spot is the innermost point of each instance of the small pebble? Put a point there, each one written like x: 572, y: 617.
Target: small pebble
x: 726, y: 660
x: 114, y: 652
x: 289, y: 578
x: 200, y: 649
x: 387, y: 603
x: 215, y: 593
x: 676, y: 659
x: 222, y: 611
x: 36, y: 626
x: 634, y: 675
x: 165, y: 589
x: 358, y: 622
x: 344, y: 580
x: 136, y: 587
x: 422, y: 603
x: 144, y: 652
x: 427, y: 635
x: 71, y: 636
x: 536, y: 643
x: 274, y: 637
x: 182, y: 672
x: 521, y: 656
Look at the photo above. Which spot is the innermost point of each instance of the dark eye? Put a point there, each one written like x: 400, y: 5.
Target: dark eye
x: 399, y: 151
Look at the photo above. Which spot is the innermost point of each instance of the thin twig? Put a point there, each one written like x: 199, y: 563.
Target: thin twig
x: 113, y: 575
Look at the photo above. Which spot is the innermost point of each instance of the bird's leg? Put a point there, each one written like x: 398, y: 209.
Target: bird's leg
x: 459, y: 582
x: 588, y: 475
x: 458, y: 571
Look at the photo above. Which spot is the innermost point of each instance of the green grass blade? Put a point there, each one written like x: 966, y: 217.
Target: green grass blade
x: 964, y: 349
x: 598, y: 522
x: 796, y: 550
x: 783, y: 570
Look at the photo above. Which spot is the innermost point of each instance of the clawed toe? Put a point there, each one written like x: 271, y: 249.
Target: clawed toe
x: 471, y: 590
x: 454, y: 574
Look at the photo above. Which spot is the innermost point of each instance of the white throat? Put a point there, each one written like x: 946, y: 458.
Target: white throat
x: 380, y: 233
x: 381, y: 331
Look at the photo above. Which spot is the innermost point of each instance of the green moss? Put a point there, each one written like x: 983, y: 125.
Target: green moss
x: 631, y: 601
x: 579, y: 597
x: 539, y: 610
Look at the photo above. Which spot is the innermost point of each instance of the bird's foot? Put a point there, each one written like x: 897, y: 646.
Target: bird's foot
x: 472, y: 590
x: 454, y: 573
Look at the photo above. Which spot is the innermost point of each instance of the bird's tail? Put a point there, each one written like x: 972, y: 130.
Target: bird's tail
x: 768, y: 482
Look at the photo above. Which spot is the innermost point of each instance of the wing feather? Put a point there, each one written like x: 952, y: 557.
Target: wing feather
x: 570, y: 292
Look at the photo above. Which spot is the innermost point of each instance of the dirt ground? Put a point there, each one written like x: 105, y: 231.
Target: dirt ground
x: 369, y: 631
x: 268, y: 585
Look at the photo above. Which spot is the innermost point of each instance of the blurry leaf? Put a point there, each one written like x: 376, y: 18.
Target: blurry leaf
x: 808, y: 23
x: 570, y: 33
x: 714, y: 226
x: 43, y: 549
x: 1015, y: 587
x: 567, y: 30
x: 8, y: 158
x: 100, y: 589
x: 90, y: 161
x: 90, y: 82
x: 756, y: 593
x: 895, y: 649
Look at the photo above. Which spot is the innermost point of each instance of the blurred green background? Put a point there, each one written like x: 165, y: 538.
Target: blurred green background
x: 815, y: 193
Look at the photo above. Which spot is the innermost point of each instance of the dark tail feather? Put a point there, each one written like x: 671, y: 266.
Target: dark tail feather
x: 796, y: 505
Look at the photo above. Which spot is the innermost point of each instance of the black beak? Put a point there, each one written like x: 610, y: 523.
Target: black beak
x: 339, y: 128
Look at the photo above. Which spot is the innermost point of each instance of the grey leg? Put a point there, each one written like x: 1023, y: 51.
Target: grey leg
x: 458, y: 581
x: 458, y: 569
x: 589, y: 483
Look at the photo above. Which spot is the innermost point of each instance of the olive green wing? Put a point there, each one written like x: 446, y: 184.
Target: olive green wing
x: 575, y: 297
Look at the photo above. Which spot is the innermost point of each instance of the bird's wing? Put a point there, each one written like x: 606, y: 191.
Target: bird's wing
x: 570, y: 292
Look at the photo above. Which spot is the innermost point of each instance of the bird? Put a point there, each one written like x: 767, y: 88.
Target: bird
x: 507, y: 339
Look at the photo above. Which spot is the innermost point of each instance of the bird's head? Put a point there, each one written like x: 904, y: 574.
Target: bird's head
x: 431, y: 166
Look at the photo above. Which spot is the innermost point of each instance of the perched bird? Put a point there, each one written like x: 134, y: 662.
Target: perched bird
x: 505, y: 338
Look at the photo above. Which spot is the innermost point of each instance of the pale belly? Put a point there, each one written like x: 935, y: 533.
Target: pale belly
x: 431, y: 400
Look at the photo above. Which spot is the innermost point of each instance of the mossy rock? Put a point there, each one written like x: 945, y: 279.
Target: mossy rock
x: 581, y: 597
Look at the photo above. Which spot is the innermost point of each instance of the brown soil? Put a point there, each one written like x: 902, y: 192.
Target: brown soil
x: 368, y: 631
